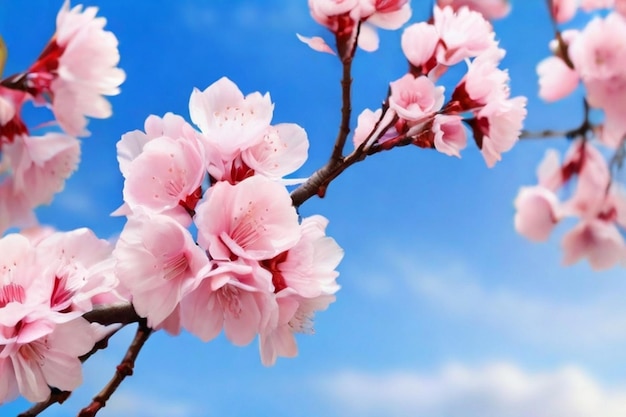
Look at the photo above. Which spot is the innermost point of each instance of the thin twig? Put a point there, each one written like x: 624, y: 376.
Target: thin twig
x: 124, y: 369
x: 56, y: 396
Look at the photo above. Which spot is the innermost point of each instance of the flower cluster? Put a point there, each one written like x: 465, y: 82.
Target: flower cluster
x: 47, y: 282
x: 255, y: 269
x: 417, y: 112
x: 34, y: 168
x: 592, y: 57
x: 599, y: 206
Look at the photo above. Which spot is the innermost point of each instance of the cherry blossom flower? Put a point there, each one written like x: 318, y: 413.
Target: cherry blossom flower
x: 283, y: 150
x: 415, y: 99
x: 490, y: 9
x: 76, y: 85
x: 385, y: 14
x: 597, y: 240
x: 44, y: 289
x: 227, y: 298
x: 556, y: 79
x: 597, y: 54
x: 253, y: 219
x: 230, y: 122
x: 419, y: 42
x: 564, y: 10
x: 464, y: 34
x: 537, y: 212
x: 498, y: 127
x: 449, y: 133
x: 158, y: 261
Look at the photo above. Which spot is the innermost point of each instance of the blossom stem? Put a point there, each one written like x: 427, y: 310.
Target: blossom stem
x: 112, y: 314
x: 124, y: 369
x: 57, y: 396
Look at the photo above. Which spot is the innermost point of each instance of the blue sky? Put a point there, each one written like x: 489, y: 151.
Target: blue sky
x: 444, y: 310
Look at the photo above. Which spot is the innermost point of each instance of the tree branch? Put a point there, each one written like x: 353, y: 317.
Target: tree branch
x: 112, y: 314
x: 124, y: 369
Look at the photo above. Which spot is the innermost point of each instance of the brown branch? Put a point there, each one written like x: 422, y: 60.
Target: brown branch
x: 124, y: 369
x: 56, y: 396
x: 112, y: 314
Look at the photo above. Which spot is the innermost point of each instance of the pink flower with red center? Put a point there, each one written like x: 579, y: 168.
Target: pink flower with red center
x: 11, y: 123
x: 253, y: 219
x: 158, y: 262
x: 37, y: 168
x: 229, y: 297
x: 598, y: 53
x: 450, y: 136
x: 497, y: 127
x: 483, y: 82
x: 385, y: 14
x: 44, y: 289
x: 75, y: 85
x: 419, y: 42
x: 283, y: 150
x: 464, y: 34
x: 415, y: 99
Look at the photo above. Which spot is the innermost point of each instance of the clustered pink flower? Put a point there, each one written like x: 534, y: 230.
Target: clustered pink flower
x: 347, y: 18
x: 256, y: 269
x: 34, y: 168
x: 490, y: 9
x: 46, y: 285
x: 595, y: 57
x: 599, y: 205
x: 481, y: 100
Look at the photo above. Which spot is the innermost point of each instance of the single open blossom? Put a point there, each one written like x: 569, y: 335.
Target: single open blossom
x: 36, y: 169
x: 419, y: 42
x: 464, y: 34
x: 415, y: 99
x: 498, y: 126
x: 230, y: 122
x: 484, y: 81
x: 283, y: 150
x: 158, y: 261
x: 537, y: 212
x: 253, y: 219
x: 450, y: 136
x: 163, y: 168
x: 76, y: 85
x: 229, y: 297
x: 599, y: 241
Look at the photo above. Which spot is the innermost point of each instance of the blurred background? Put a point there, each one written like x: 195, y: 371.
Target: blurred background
x: 444, y: 310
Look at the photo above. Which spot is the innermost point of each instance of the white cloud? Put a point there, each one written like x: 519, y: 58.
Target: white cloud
x: 595, y: 321
x: 493, y: 390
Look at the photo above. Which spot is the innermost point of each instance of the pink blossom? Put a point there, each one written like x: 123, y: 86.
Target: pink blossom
x: 415, y: 99
x: 563, y: 10
x: 484, y: 81
x: 598, y: 54
x: 283, y: 150
x: 450, y: 136
x: 338, y: 16
x: 537, y: 212
x: 38, y: 169
x: 464, y: 34
x: 230, y: 122
x: 386, y: 14
x: 11, y: 123
x: 253, y: 219
x: 498, y: 127
x: 41, y: 333
x: 491, y: 9
x: 229, y: 298
x: 76, y: 85
x: 158, y: 261
x: 556, y: 79
x: 597, y: 240
x: 365, y: 125
x: 316, y: 43
x: 418, y: 44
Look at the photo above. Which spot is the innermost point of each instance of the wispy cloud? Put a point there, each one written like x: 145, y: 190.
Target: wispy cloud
x: 494, y: 390
x: 542, y: 318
